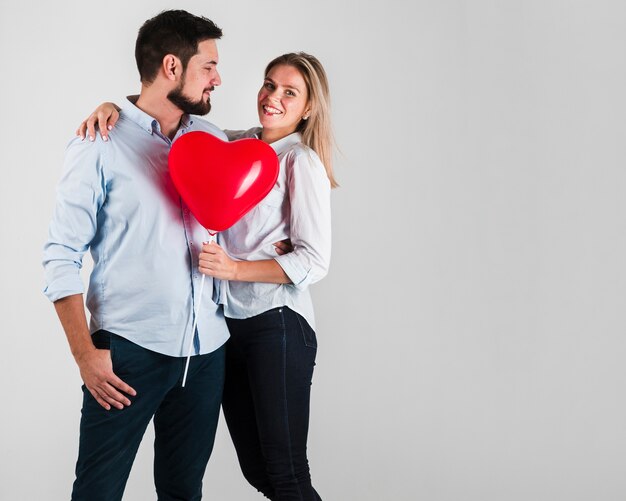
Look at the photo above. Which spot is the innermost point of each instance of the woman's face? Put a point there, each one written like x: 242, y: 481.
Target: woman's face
x: 282, y: 101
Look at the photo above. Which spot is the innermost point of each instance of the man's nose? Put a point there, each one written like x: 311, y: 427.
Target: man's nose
x: 217, y: 80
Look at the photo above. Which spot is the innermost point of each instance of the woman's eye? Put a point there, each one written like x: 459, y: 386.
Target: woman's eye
x: 290, y: 93
x: 269, y: 86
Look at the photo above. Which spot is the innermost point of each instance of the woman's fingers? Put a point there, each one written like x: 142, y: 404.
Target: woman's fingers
x: 82, y: 128
x: 102, y: 126
x: 105, y: 117
x: 91, y: 126
x: 106, y: 121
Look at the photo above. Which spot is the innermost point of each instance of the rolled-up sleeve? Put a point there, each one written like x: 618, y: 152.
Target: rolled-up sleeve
x: 310, y: 226
x: 80, y: 195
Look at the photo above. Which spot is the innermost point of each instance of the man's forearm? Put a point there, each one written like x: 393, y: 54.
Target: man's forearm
x: 71, y: 312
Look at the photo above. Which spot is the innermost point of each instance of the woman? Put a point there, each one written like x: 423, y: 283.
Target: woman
x: 271, y: 352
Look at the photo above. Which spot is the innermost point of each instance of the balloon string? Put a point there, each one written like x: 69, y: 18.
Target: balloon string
x: 193, y: 331
x: 195, y: 320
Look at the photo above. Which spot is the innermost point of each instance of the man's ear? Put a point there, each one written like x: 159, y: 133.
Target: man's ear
x: 172, y: 67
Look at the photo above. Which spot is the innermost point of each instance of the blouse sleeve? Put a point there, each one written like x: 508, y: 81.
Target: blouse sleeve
x: 310, y: 226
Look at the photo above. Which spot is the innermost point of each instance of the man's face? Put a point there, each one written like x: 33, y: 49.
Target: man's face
x: 193, y: 94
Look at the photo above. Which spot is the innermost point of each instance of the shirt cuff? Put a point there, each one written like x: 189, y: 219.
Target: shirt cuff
x: 63, y: 287
x: 293, y: 267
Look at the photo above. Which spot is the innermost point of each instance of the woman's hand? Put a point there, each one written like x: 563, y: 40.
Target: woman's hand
x: 106, y: 116
x: 215, y: 263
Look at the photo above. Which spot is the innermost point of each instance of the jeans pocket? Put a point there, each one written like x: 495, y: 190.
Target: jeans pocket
x: 113, y: 349
x: 124, y: 358
x: 101, y: 339
x: 308, y: 334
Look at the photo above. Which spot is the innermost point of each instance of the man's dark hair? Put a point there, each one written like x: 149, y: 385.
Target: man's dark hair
x: 174, y: 32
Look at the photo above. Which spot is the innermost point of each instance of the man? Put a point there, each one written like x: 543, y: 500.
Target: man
x: 117, y: 200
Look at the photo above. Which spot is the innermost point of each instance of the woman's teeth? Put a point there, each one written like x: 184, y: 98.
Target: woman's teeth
x: 270, y: 110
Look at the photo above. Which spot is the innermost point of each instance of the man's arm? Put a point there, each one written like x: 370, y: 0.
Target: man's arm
x: 95, y: 365
x: 81, y: 192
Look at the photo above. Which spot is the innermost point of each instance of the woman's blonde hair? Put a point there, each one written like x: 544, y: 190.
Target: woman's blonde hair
x: 316, y: 130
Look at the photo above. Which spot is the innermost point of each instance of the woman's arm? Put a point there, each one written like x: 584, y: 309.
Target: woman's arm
x: 308, y: 261
x: 106, y: 116
x: 216, y: 263
x: 309, y: 225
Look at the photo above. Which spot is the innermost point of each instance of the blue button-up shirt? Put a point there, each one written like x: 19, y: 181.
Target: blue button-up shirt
x: 117, y: 200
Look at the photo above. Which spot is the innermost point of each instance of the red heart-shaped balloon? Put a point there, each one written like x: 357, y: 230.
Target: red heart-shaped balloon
x: 221, y: 181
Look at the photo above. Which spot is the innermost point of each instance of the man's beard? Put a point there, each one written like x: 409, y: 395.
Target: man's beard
x: 185, y: 104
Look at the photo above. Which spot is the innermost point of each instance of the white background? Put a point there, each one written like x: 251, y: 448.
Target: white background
x: 472, y: 326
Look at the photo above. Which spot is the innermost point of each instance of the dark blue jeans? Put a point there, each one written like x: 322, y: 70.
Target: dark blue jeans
x: 185, y: 421
x: 269, y: 366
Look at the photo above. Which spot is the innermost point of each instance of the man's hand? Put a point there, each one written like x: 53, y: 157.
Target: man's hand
x: 96, y: 370
x: 95, y: 365
x: 283, y: 247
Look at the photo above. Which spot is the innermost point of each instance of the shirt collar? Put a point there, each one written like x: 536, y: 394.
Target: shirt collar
x: 285, y: 143
x: 145, y: 121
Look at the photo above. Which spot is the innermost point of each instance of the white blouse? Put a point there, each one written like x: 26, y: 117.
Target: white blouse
x: 298, y: 208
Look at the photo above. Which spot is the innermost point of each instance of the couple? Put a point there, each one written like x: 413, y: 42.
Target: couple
x: 116, y: 200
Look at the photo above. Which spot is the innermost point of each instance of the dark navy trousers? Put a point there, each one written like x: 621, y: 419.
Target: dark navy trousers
x: 269, y: 367
x: 185, y: 422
